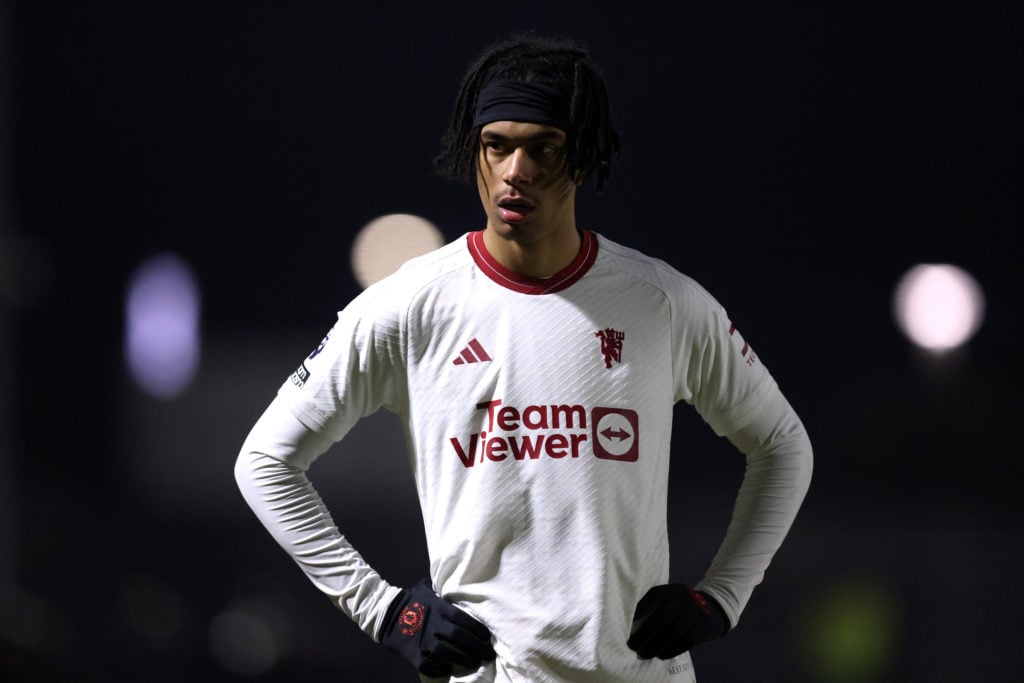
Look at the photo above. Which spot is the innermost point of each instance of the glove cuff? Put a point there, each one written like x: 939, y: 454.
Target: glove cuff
x: 392, y: 614
x: 718, y: 622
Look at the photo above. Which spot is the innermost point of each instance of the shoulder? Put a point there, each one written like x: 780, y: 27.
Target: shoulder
x: 628, y: 262
x: 434, y: 265
x: 436, y: 268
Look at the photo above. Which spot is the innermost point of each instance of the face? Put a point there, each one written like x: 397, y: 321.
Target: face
x: 523, y: 184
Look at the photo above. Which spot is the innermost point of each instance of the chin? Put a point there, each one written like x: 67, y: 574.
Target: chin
x: 504, y: 229
x: 513, y: 231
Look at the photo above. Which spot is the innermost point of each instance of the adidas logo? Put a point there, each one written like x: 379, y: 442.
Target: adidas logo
x: 474, y: 353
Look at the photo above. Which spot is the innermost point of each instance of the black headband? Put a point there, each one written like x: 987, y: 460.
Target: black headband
x: 522, y: 101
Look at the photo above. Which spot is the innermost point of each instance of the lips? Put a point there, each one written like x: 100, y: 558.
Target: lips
x: 514, y: 209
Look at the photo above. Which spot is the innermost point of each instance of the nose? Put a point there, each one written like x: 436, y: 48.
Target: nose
x: 519, y: 168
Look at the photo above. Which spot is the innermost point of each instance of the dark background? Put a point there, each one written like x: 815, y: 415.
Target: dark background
x: 795, y: 159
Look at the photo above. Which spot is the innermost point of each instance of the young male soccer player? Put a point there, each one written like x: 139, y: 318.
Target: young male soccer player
x: 535, y: 366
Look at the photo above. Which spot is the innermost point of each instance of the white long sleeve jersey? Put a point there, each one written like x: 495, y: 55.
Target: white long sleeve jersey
x: 538, y: 415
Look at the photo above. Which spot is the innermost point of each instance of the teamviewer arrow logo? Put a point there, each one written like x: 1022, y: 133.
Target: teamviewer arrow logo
x: 616, y: 434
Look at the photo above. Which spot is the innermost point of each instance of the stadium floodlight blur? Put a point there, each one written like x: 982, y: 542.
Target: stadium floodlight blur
x: 161, y: 343
x: 385, y: 243
x: 939, y: 307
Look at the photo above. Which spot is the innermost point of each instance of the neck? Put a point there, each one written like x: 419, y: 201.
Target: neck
x: 539, y: 258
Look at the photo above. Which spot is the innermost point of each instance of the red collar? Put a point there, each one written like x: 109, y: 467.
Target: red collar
x: 525, y: 284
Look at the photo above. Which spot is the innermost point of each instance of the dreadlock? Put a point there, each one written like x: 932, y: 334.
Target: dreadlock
x: 563, y: 64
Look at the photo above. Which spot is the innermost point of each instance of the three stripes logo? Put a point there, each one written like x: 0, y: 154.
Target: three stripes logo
x: 473, y: 353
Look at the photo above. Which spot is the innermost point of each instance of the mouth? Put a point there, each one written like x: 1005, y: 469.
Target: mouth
x: 514, y: 209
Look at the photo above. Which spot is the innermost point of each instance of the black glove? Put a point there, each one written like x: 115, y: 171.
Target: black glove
x: 434, y: 634
x: 672, y: 618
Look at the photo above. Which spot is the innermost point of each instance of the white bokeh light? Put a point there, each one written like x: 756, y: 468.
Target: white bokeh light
x: 387, y: 242
x: 162, y: 326
x: 938, y: 307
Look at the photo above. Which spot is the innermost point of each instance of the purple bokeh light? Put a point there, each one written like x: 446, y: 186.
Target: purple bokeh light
x: 162, y: 345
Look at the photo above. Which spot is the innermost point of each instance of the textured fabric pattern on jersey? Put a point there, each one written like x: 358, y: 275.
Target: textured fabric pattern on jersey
x: 542, y: 472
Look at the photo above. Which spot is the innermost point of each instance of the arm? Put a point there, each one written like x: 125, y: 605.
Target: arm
x: 428, y: 631
x: 778, y: 474
x: 718, y: 372
x: 271, y: 475
x: 672, y: 618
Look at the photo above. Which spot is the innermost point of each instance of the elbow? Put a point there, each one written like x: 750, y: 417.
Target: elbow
x: 243, y: 474
x: 242, y: 463
x: 245, y: 468
x: 806, y: 462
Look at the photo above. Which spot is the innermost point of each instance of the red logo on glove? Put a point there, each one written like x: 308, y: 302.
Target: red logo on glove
x: 411, y: 619
x: 701, y: 601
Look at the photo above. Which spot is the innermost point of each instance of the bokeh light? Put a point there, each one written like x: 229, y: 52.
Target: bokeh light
x: 162, y: 326
x: 33, y: 623
x: 387, y: 242
x: 851, y: 631
x: 250, y: 636
x: 938, y: 307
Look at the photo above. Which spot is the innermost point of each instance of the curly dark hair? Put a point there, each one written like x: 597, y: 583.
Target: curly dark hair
x: 561, y: 63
